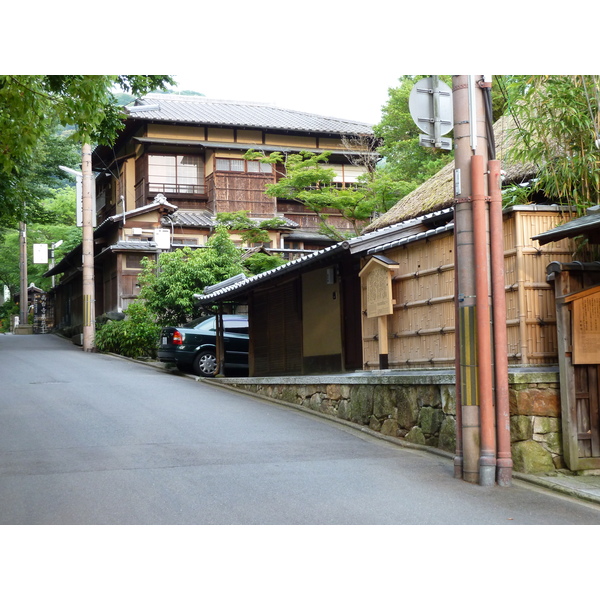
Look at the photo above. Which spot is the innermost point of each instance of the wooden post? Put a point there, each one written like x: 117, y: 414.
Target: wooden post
x: 382, y: 332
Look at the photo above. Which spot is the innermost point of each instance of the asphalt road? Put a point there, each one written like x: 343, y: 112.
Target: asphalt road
x: 87, y: 438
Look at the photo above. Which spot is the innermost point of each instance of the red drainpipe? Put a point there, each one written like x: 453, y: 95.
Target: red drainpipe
x: 487, y: 460
x: 504, y: 463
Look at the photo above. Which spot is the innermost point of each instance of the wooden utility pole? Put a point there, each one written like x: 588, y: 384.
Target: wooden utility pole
x: 87, y: 211
x: 24, y: 296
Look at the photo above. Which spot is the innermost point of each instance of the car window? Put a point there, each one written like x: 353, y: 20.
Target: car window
x: 202, y: 324
x: 237, y: 327
x: 235, y: 324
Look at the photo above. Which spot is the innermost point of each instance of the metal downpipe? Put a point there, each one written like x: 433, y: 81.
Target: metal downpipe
x: 487, y: 459
x: 504, y: 464
x: 458, y: 456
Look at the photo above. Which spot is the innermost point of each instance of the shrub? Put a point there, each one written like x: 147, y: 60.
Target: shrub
x: 134, y: 337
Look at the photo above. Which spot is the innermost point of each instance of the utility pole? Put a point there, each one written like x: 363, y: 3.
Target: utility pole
x: 87, y: 211
x: 474, y: 362
x: 24, y: 296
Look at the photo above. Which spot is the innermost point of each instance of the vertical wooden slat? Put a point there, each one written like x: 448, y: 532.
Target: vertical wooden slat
x: 521, y: 304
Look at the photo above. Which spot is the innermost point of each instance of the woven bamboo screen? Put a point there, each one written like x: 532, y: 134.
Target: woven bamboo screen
x: 421, y: 328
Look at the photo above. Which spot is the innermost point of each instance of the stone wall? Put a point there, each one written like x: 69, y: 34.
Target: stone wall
x: 420, y: 407
x: 535, y: 425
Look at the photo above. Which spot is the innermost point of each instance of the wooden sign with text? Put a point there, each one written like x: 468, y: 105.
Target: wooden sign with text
x: 586, y: 329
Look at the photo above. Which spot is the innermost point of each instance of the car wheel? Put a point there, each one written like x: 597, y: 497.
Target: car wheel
x: 205, y: 364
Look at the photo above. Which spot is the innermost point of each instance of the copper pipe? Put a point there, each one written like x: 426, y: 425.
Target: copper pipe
x: 504, y: 463
x: 487, y: 460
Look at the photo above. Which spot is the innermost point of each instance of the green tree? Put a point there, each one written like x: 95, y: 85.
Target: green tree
x: 167, y: 287
x: 252, y: 231
x: 260, y: 262
x: 308, y: 180
x: 558, y: 125
x: 23, y: 195
x: 32, y: 105
x: 36, y: 234
x: 405, y: 160
x: 48, y: 202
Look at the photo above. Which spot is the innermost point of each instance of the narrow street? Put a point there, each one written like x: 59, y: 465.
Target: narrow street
x: 95, y: 439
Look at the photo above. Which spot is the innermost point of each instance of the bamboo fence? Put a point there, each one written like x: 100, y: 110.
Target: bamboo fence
x: 421, y: 330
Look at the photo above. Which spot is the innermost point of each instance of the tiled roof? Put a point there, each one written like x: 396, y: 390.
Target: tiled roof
x: 230, y: 287
x: 174, y: 108
x: 191, y: 218
x: 129, y: 246
x: 589, y: 223
x: 204, y: 218
x: 412, y: 238
x: 367, y: 244
x: 141, y: 246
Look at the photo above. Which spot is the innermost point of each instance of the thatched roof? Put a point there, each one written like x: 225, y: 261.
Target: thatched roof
x: 437, y: 192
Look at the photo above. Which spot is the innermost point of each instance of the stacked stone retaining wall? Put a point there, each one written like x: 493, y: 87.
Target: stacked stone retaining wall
x: 420, y: 407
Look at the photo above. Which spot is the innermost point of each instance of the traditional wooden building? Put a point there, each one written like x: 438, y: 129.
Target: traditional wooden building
x: 191, y: 150
x: 177, y: 164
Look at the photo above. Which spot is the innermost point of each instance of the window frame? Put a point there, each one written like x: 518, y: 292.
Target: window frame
x: 263, y: 168
x: 178, y: 182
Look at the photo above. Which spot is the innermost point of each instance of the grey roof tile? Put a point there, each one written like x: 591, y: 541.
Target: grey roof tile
x: 583, y: 225
x: 204, y: 218
x: 174, y: 108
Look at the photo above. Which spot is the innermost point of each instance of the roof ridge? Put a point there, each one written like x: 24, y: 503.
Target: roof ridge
x: 205, y: 99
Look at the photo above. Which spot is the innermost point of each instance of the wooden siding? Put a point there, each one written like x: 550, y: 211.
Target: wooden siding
x: 421, y: 329
x: 276, y: 330
x: 229, y: 192
x: 176, y: 132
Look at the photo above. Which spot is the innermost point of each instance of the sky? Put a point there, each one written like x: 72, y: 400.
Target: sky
x: 362, y: 104
x: 328, y: 57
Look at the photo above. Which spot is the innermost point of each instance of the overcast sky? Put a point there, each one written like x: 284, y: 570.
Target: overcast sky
x: 328, y: 57
x: 361, y: 102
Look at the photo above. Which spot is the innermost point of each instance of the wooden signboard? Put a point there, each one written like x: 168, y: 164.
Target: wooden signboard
x: 586, y: 329
x: 377, y: 276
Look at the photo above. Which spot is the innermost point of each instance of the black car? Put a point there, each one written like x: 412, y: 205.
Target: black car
x: 193, y: 346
